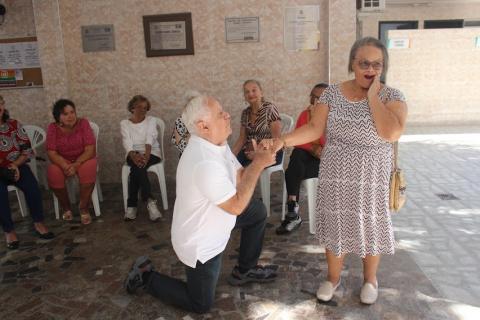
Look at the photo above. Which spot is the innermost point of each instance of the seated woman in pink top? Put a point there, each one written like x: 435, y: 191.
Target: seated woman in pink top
x: 71, y: 150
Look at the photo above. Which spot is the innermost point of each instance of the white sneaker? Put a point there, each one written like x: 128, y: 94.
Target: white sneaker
x: 369, y: 293
x: 153, y: 210
x: 131, y: 214
x: 326, y: 290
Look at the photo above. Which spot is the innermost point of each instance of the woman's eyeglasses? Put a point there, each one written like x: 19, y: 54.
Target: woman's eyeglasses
x: 365, y: 65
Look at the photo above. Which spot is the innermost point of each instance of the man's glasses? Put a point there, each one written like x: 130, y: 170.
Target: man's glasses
x: 365, y: 65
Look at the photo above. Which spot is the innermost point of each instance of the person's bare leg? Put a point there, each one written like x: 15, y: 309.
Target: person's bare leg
x: 40, y: 227
x: 370, y: 267
x: 11, y: 236
x: 85, y: 197
x: 335, y: 264
x: 292, y: 198
x: 62, y: 196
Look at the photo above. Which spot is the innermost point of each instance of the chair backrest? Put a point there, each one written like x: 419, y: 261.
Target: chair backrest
x: 161, y: 131
x: 36, y: 135
x: 287, y: 123
x: 96, y: 131
x: 37, y: 138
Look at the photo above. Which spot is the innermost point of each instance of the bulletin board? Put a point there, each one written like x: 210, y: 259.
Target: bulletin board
x: 24, y: 75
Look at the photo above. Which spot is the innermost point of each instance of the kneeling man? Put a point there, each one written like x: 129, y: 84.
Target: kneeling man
x: 213, y: 197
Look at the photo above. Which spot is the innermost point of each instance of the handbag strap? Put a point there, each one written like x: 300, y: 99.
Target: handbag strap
x: 395, y: 155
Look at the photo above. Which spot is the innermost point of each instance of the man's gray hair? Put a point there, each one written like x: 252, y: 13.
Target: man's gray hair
x: 196, y: 109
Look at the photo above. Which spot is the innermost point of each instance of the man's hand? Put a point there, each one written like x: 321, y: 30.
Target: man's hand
x: 276, y: 144
x: 263, y: 155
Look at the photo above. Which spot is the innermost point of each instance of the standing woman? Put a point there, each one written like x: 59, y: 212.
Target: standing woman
x: 260, y: 120
x: 15, y: 151
x: 364, y: 118
x: 71, y: 150
x: 140, y: 140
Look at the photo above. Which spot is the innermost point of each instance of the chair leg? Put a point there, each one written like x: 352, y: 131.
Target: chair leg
x: 96, y: 203
x: 265, y: 189
x: 311, y: 188
x: 284, y: 199
x: 56, y: 206
x: 125, y: 174
x: 163, y: 187
x: 22, y: 203
x: 99, y: 190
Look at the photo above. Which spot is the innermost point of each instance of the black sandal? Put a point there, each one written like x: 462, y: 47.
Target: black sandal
x: 13, y: 245
x: 45, y: 236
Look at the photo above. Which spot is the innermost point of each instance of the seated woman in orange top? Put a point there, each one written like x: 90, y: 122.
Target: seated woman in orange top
x: 304, y: 163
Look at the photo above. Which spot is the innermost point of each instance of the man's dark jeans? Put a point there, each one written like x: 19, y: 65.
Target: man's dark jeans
x: 198, y: 292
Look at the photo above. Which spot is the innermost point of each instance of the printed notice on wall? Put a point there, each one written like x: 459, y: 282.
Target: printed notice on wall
x: 168, y: 35
x: 20, y: 55
x: 301, y: 28
x: 98, y: 38
x: 398, y: 43
x: 242, y: 29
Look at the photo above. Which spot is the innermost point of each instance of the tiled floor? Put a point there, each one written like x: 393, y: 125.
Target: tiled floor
x: 433, y: 275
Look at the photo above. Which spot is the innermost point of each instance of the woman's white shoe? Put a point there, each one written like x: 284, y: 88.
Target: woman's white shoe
x: 326, y: 290
x: 369, y: 293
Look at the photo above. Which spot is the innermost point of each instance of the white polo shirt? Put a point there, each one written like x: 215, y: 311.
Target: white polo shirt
x: 206, y: 177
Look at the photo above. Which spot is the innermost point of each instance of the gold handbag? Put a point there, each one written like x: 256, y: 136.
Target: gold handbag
x: 398, y: 185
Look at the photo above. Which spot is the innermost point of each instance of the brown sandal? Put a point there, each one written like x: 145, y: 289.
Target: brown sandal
x: 85, y: 217
x: 67, y: 215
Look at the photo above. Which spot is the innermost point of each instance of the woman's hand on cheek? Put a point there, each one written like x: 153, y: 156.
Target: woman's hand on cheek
x: 374, y: 87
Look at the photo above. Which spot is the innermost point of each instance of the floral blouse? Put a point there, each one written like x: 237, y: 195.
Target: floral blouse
x: 14, y: 142
x: 260, y: 129
x: 183, y: 133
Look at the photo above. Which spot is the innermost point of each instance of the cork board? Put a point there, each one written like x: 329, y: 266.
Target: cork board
x: 31, y: 76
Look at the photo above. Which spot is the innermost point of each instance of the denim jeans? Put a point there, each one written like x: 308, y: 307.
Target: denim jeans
x: 198, y: 292
x: 28, y: 184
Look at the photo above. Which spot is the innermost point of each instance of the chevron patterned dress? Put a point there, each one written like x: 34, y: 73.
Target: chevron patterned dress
x: 352, y: 212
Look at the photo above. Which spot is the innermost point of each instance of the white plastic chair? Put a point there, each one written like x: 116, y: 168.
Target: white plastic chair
x: 287, y: 126
x: 21, y: 200
x: 158, y: 169
x: 37, y: 137
x: 72, y: 183
x: 311, y: 189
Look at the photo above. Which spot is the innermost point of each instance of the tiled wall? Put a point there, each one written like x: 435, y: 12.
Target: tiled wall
x: 439, y: 74
x: 24, y: 104
x: 102, y: 83
x: 342, y: 32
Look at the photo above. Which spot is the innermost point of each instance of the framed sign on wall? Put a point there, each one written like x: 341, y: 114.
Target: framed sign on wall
x: 168, y: 34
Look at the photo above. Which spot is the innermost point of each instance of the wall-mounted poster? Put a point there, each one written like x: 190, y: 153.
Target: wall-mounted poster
x: 301, y: 28
x: 242, y: 29
x: 168, y: 34
x: 98, y: 38
x: 19, y: 55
